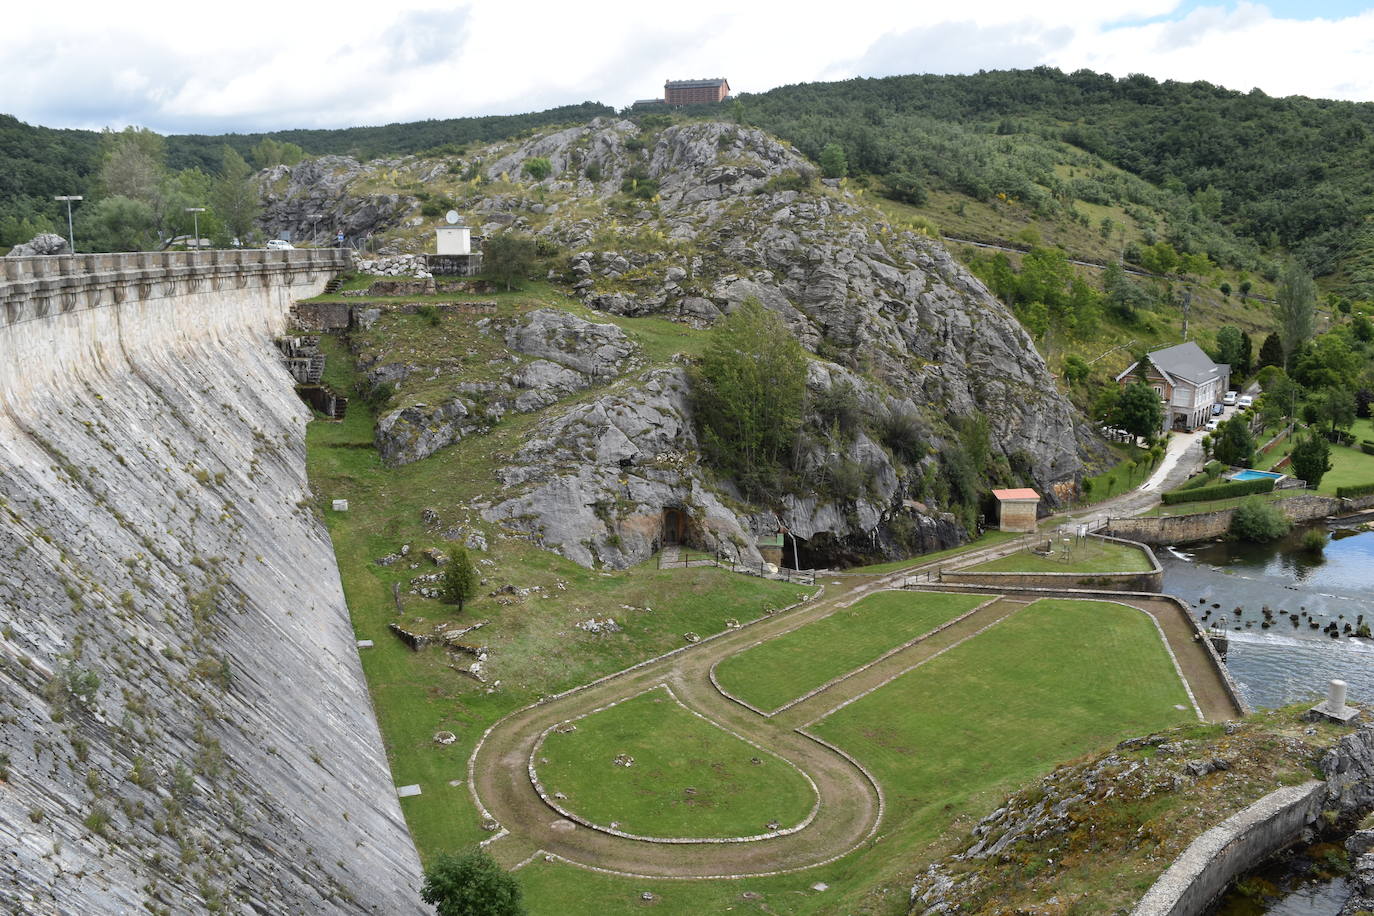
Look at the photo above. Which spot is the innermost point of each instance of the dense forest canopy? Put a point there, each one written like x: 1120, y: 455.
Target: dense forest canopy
x: 1281, y: 175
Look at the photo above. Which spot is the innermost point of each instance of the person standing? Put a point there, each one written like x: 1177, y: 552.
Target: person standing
x: 341, y: 238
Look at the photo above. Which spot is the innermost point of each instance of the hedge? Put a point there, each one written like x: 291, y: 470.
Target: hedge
x: 1210, y: 472
x: 1356, y: 490
x: 1367, y: 447
x: 1221, y: 491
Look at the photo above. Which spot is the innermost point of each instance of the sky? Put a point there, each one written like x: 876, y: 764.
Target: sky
x: 253, y: 66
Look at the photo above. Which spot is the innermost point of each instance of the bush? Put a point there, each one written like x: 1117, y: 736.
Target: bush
x: 538, y: 168
x: 507, y: 259
x: 1354, y: 491
x: 430, y: 313
x: 901, y: 432
x: 1259, y: 521
x: 838, y: 406
x: 471, y: 885
x: 592, y: 171
x: 787, y: 181
x: 1314, y: 541
x: 1367, y: 447
x: 1228, y: 490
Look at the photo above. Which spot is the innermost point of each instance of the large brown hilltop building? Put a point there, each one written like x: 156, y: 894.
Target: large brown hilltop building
x: 695, y: 92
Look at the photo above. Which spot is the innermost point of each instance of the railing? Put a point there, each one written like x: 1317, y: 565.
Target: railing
x: 42, y: 267
x: 685, y: 559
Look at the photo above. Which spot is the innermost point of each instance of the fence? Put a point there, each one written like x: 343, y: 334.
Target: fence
x: 685, y: 559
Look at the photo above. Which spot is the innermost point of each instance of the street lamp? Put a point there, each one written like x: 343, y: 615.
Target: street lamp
x: 71, y: 236
x: 195, y: 217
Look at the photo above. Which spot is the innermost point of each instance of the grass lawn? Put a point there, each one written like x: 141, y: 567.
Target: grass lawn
x: 989, y: 538
x: 689, y: 777
x: 1054, y: 681
x: 1350, y: 466
x: 782, y: 669
x: 1091, y: 556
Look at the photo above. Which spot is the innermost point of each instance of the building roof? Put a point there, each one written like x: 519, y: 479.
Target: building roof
x: 1018, y: 493
x: 697, y: 84
x: 1184, y: 361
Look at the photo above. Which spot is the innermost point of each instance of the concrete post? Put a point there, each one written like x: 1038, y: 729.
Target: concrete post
x: 1335, y: 696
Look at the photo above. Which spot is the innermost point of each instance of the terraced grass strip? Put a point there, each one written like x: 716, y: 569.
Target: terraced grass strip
x: 778, y: 671
x: 650, y: 767
x: 1056, y: 680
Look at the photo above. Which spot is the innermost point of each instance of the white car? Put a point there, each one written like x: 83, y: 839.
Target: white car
x: 1212, y: 425
x: 280, y: 244
x: 1244, y: 402
x: 1230, y: 399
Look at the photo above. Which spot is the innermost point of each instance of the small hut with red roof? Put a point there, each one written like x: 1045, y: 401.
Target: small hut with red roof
x: 1016, y: 508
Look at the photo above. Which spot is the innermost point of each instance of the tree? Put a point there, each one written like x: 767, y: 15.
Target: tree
x: 834, y: 163
x: 1311, y: 459
x: 507, y: 258
x: 537, y: 167
x: 119, y: 224
x: 749, y: 391
x: 1280, y: 399
x: 1076, y: 369
x: 471, y: 885
x: 1139, y: 411
x: 1231, y: 350
x: 1334, y: 407
x: 1271, y: 352
x: 234, y: 198
x: 1259, y: 520
x: 1233, y: 443
x: 460, y: 580
x: 1295, y: 309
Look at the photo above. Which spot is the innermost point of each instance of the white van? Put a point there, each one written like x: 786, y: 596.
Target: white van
x: 1230, y: 399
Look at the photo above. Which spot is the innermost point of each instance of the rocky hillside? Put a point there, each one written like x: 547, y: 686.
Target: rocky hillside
x: 685, y: 224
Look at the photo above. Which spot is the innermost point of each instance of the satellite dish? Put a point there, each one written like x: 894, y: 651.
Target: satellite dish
x: 452, y: 217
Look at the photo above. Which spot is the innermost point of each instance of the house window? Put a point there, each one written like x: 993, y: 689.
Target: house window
x: 1159, y: 390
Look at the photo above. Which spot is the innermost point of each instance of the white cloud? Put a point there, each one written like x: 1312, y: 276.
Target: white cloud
x: 252, y: 66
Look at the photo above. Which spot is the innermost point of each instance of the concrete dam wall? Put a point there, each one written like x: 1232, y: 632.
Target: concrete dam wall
x: 184, y: 723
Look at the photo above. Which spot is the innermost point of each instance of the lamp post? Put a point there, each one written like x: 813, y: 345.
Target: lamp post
x: 195, y: 218
x: 71, y: 235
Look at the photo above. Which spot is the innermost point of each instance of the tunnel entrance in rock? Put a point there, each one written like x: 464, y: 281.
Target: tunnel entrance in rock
x: 674, y: 526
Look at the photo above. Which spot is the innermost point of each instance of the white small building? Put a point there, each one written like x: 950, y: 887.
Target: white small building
x: 453, y: 240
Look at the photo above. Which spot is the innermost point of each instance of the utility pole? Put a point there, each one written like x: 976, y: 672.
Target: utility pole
x: 1187, y: 305
x: 71, y: 234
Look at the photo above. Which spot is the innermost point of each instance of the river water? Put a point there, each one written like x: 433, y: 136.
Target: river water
x: 1285, y: 663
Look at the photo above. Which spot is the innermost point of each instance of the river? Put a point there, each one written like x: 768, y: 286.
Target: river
x: 1285, y: 662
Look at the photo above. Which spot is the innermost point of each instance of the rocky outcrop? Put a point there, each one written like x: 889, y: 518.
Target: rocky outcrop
x: 687, y: 223
x: 317, y: 198
x: 594, y: 484
x: 47, y: 243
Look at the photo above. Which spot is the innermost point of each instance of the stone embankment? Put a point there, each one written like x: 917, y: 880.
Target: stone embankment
x: 1186, y: 529
x: 1278, y: 820
x: 185, y: 725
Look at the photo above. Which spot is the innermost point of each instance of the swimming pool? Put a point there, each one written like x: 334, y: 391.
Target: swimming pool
x: 1252, y: 474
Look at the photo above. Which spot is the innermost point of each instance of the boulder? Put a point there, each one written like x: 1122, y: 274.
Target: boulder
x: 48, y: 243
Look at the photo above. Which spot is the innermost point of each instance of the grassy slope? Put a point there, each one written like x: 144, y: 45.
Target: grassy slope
x: 1090, y: 556
x: 689, y: 778
x: 535, y: 648
x: 782, y: 669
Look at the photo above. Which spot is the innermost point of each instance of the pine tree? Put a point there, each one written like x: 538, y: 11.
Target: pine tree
x: 460, y: 580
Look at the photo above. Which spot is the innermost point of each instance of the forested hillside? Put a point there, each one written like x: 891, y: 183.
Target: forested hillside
x: 1242, y: 177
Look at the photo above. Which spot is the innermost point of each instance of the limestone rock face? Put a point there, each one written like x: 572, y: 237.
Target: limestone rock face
x: 686, y: 223
x: 594, y: 484
x: 45, y: 244
x: 314, y: 198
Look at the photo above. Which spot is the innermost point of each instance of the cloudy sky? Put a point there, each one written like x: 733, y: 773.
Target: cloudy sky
x: 247, y: 66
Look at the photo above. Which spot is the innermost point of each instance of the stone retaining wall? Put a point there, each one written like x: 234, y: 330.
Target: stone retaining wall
x: 1151, y: 581
x: 1237, y: 844
x: 1184, y: 529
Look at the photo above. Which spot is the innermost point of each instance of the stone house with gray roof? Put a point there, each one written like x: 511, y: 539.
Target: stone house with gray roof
x: 1186, y: 380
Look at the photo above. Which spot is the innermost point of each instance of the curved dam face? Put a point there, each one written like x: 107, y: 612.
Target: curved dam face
x: 184, y: 724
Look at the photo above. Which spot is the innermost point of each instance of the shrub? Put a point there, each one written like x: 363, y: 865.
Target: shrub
x: 1367, y: 447
x: 838, y: 406
x: 787, y: 181
x: 904, y: 187
x: 430, y: 313
x: 1228, y: 490
x: 901, y: 431
x: 1311, y: 459
x: 639, y: 185
x: 592, y: 171
x: 1259, y: 521
x: 1355, y: 491
x: 537, y: 168
x: 379, y: 395
x: 507, y: 259
x: 847, y: 479
x: 471, y: 885
x: 1314, y: 541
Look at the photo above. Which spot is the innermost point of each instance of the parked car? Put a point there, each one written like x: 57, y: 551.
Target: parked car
x: 1217, y: 410
x: 1230, y: 399
x: 1244, y: 402
x: 1212, y: 425
x: 279, y: 244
